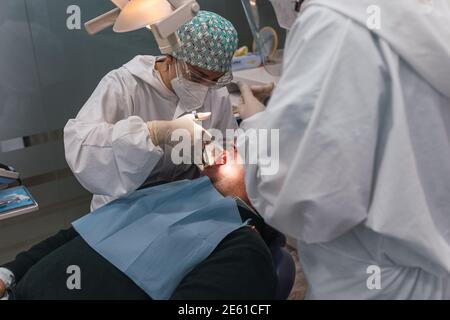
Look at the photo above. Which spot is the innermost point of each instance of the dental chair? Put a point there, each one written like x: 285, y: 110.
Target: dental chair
x: 283, y: 262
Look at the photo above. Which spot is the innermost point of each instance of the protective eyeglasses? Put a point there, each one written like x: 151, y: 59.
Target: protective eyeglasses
x: 188, y: 73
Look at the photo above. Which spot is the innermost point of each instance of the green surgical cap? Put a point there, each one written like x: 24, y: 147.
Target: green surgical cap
x: 208, y: 41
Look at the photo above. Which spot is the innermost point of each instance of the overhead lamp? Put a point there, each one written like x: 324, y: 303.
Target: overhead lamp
x: 162, y: 17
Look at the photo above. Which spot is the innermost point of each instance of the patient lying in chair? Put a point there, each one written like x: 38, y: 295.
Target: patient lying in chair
x: 239, y: 267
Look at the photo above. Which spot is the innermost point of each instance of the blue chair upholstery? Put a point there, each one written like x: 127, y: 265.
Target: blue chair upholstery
x: 284, y: 267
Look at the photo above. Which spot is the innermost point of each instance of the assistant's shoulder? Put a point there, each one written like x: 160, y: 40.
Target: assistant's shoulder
x: 316, y: 17
x: 326, y: 26
x: 322, y: 40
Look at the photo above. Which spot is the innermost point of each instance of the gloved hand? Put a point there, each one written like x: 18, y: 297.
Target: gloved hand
x: 252, y: 99
x: 263, y: 92
x: 161, y: 131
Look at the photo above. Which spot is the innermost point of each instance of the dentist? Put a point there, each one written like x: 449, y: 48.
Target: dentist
x: 121, y: 138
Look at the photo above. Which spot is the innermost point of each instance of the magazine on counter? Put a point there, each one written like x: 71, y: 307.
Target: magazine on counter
x: 16, y: 201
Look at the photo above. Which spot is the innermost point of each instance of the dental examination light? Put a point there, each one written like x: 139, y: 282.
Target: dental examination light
x: 162, y: 17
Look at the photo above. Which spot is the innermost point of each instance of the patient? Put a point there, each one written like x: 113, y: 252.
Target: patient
x: 240, y: 267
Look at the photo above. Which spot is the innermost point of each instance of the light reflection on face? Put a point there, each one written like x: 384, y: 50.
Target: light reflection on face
x: 228, y: 178
x: 226, y: 166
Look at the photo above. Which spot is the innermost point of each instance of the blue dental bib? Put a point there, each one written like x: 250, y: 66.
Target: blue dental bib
x: 156, y: 236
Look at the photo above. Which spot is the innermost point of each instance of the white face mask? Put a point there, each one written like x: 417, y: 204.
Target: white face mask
x: 192, y: 95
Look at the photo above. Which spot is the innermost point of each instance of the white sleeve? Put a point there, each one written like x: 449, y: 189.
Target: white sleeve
x: 108, y: 149
x: 326, y: 108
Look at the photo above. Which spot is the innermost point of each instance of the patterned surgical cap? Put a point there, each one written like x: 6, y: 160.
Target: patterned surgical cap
x: 208, y: 41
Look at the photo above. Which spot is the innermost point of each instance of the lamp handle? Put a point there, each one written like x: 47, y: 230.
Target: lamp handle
x: 102, y: 22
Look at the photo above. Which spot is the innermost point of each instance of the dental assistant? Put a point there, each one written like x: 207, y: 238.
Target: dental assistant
x: 121, y: 138
x: 364, y: 122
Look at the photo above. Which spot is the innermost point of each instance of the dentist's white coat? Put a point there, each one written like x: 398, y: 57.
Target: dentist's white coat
x: 364, y: 179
